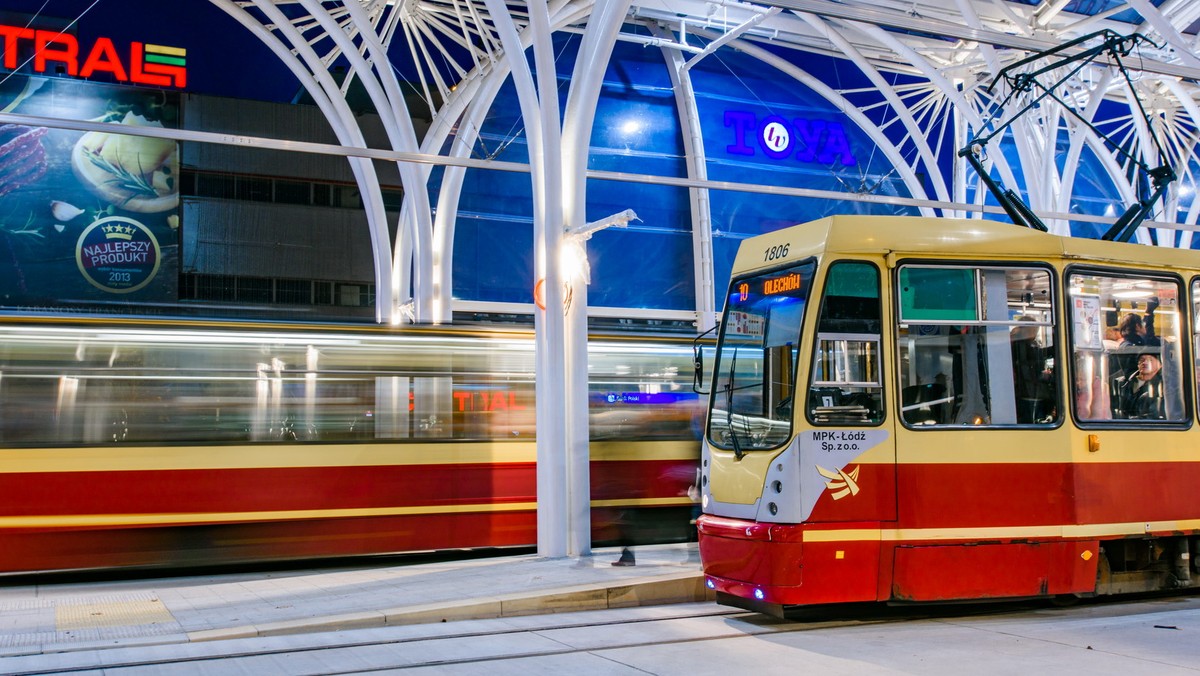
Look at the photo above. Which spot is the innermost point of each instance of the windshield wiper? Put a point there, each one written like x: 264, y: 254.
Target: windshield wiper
x: 737, y: 447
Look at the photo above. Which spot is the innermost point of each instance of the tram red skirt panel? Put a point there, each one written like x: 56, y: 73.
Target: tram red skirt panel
x: 273, y: 540
x: 953, y: 572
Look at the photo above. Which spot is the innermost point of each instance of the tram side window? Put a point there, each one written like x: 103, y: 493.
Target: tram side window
x: 1126, y: 337
x: 846, y: 387
x: 976, y: 346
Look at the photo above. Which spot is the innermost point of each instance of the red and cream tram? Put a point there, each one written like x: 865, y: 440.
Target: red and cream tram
x: 179, y: 443
x: 923, y: 410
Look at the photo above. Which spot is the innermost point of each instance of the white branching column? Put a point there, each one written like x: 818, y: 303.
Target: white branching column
x: 540, y: 112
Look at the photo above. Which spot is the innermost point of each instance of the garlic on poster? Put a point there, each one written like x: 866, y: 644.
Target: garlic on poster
x: 59, y: 227
x: 63, y: 211
x: 173, y: 221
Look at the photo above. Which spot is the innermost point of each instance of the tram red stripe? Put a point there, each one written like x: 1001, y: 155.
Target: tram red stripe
x: 263, y: 489
x: 990, y: 495
x: 1137, y: 492
x: 958, y: 496
x: 618, y: 479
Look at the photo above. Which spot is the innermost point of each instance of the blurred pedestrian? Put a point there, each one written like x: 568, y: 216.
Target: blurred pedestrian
x: 694, y: 493
x: 625, y: 531
x: 627, y: 558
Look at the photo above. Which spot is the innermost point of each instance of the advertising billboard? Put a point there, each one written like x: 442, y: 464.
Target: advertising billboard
x: 88, y: 220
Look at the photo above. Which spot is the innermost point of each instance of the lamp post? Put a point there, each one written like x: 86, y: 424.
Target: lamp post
x: 576, y: 275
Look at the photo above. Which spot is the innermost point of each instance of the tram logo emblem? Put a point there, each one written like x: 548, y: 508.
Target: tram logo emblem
x: 842, y: 483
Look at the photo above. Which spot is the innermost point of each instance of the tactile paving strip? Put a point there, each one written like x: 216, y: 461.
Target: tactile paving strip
x: 111, y: 614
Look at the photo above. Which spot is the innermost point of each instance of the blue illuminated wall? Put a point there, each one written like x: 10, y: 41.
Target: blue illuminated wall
x: 762, y: 127
x: 759, y: 127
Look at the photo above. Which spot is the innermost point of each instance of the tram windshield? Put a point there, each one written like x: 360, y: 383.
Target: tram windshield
x: 755, y: 372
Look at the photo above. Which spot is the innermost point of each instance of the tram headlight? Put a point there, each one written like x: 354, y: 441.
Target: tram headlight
x: 758, y: 594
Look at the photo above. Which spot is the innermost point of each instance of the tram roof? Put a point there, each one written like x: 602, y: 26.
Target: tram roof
x: 949, y: 237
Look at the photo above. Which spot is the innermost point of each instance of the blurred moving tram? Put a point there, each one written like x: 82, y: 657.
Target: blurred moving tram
x: 928, y: 410
x: 180, y: 443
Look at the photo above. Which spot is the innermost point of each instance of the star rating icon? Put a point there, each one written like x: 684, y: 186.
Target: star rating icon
x: 115, y: 230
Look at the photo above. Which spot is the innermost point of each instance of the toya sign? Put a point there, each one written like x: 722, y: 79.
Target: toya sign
x: 137, y: 64
x: 779, y: 138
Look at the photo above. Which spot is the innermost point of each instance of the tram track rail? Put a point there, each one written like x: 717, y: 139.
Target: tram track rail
x: 546, y: 636
x: 750, y: 620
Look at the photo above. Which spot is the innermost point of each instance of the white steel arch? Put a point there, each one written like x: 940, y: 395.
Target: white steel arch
x: 697, y: 168
x: 464, y: 50
x: 349, y: 30
x: 320, y: 85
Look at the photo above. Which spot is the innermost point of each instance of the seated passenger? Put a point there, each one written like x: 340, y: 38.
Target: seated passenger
x: 1033, y: 377
x: 1136, y: 331
x: 1142, y: 394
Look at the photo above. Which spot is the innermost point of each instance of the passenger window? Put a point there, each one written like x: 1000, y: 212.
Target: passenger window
x: 1126, y: 336
x: 846, y: 387
x: 976, y: 346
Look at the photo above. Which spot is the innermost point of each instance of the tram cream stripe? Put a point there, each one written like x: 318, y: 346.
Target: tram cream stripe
x: 266, y: 456
x: 645, y: 502
x: 903, y: 535
x: 97, y: 520
x: 119, y: 520
x: 645, y: 450
x: 854, y: 535
x: 272, y: 456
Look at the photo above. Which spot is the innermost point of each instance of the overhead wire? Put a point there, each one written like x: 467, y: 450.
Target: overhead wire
x: 33, y: 18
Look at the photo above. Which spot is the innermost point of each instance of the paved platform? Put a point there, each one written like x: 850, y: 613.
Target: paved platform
x: 51, y: 618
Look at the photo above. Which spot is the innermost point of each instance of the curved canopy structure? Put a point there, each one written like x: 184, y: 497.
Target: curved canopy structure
x: 695, y: 123
x: 907, y: 82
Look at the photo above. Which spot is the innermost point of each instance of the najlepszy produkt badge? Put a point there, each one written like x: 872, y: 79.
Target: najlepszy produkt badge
x: 117, y: 254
